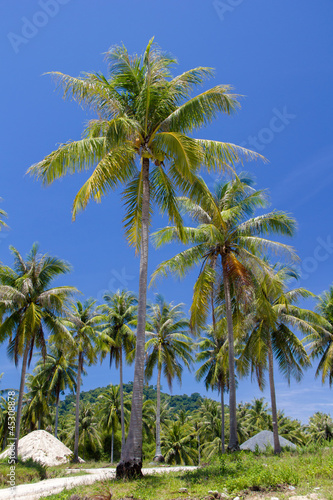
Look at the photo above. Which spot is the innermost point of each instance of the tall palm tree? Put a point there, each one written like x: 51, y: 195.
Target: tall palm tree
x: 36, y: 409
x: 274, y: 318
x: 213, y: 352
x: 228, y: 242
x: 83, y: 323
x: 141, y: 140
x: 59, y: 371
x: 321, y: 341
x: 119, y: 313
x: 30, y: 308
x: 167, y: 349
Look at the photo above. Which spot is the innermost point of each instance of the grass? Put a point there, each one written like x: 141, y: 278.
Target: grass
x: 238, y: 474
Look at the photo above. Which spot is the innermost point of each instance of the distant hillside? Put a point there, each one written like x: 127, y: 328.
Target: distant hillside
x: 176, y: 402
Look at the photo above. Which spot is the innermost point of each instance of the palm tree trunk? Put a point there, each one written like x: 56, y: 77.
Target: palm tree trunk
x: 222, y: 413
x: 20, y: 400
x: 158, y: 453
x: 277, y: 447
x: 131, y: 463
x: 77, y: 410
x: 199, y: 453
x: 57, y: 413
x: 112, y: 441
x: 121, y: 402
x: 233, y: 439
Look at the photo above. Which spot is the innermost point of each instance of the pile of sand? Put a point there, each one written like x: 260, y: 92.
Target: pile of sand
x: 42, y: 447
x: 262, y: 440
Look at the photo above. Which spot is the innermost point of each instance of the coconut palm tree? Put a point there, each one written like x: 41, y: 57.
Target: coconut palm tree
x: 119, y: 313
x: 320, y: 428
x: 111, y: 410
x: 270, y: 333
x: 36, y: 410
x: 213, y: 352
x: 210, y: 416
x: 178, y: 443
x: 83, y: 323
x: 168, y: 347
x: 228, y: 243
x: 321, y: 342
x: 59, y: 372
x: 30, y: 308
x: 141, y: 140
x: 257, y: 418
x: 89, y: 432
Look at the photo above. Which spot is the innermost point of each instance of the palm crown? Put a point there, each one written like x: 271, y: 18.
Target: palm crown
x: 142, y: 113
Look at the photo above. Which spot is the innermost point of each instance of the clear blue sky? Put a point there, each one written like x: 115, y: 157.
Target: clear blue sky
x: 276, y: 53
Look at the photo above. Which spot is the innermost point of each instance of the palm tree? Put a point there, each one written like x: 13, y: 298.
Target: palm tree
x: 257, y: 418
x: 225, y: 232
x: 321, y: 341
x: 210, y: 416
x: 320, y: 428
x: 144, y: 116
x: 119, y: 312
x: 270, y: 334
x: 89, y: 433
x: 177, y: 443
x: 36, y: 410
x: 111, y: 410
x: 30, y: 309
x: 167, y: 349
x: 213, y: 352
x: 59, y: 371
x: 83, y: 322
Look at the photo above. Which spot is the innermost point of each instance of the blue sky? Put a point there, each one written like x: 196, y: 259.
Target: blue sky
x: 277, y: 54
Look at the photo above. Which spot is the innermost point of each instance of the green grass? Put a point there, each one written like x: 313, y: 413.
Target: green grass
x: 236, y: 474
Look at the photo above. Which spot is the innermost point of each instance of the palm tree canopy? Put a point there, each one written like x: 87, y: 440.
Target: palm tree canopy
x: 143, y: 112
x: 168, y: 346
x: 227, y: 228
x: 321, y: 341
x: 274, y: 319
x: 28, y: 302
x: 58, y: 370
x: 118, y: 313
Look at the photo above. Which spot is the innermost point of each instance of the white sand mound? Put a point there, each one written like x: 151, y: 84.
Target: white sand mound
x: 264, y: 439
x: 42, y: 447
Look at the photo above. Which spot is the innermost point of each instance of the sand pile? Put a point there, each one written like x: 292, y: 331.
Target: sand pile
x: 264, y: 439
x: 42, y: 447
